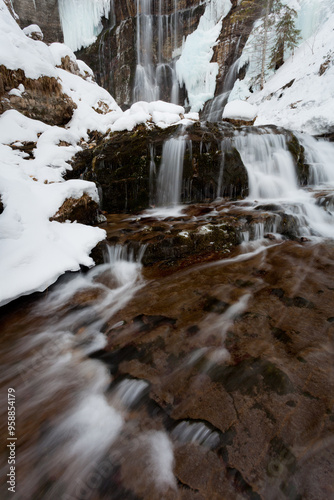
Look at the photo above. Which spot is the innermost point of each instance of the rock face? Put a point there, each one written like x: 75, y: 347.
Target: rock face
x: 113, y: 57
x: 42, y: 99
x: 42, y: 12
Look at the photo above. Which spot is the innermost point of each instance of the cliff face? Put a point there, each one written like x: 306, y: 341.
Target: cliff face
x: 42, y: 12
x: 148, y: 73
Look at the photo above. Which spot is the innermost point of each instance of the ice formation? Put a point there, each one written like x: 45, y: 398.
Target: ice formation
x: 81, y: 20
x: 194, y: 68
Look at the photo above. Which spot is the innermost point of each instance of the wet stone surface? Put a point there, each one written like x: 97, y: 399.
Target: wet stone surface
x: 224, y: 349
x: 246, y: 348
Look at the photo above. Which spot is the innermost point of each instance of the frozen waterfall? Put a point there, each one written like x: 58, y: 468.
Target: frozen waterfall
x: 81, y: 20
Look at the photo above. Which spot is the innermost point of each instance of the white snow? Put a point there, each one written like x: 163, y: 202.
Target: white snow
x: 60, y: 51
x: 194, y: 68
x: 240, y: 110
x: 307, y: 104
x: 17, y: 51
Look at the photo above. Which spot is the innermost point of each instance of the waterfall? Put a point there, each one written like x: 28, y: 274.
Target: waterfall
x: 272, y: 176
x: 158, y: 47
x: 145, y: 88
x: 169, y: 180
x: 319, y: 157
x: 215, y: 108
x: 152, y: 72
x: 269, y: 164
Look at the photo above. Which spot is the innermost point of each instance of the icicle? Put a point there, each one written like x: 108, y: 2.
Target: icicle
x: 81, y: 20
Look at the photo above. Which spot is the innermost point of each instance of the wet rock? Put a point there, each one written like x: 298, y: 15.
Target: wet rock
x: 121, y: 165
x: 1, y: 206
x: 298, y: 153
x: 251, y: 376
x: 83, y: 210
x: 240, y: 123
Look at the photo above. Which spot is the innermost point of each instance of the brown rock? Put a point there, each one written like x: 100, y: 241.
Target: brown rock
x: 43, y: 98
x: 83, y: 210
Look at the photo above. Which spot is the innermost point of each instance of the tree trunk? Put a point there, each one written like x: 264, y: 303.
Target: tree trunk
x: 265, y: 43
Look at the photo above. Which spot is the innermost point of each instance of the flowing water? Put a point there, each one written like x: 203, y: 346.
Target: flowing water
x: 152, y: 72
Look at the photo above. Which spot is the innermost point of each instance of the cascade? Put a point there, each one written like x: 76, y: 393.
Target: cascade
x: 269, y: 164
x: 213, y: 113
x: 272, y: 176
x: 169, y: 181
x: 83, y: 421
x: 153, y: 74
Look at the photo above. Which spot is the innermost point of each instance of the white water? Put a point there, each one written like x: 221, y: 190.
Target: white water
x: 169, y: 180
x: 272, y: 178
x: 58, y: 386
x: 269, y: 164
x: 153, y: 73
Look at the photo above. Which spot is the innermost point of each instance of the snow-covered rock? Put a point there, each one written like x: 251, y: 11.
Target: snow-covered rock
x: 33, y: 31
x: 240, y: 110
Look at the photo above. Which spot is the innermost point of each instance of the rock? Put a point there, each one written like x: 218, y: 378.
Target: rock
x: 43, y: 99
x: 240, y: 113
x: 269, y: 400
x: 298, y: 153
x: 83, y: 210
x: 1, y: 206
x: 121, y: 166
x: 33, y: 31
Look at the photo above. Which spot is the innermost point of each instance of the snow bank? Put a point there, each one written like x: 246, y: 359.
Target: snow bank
x: 240, y: 110
x: 194, y: 68
x: 33, y: 30
x: 300, y: 96
x: 17, y: 51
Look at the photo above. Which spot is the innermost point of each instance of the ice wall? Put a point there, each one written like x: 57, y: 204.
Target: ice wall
x: 194, y: 68
x: 81, y: 20
x: 312, y: 14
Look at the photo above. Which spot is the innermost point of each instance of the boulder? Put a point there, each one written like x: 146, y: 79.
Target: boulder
x: 33, y: 31
x: 83, y: 210
x: 41, y: 99
x: 240, y: 113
